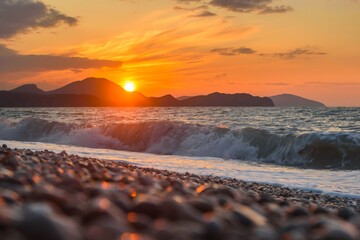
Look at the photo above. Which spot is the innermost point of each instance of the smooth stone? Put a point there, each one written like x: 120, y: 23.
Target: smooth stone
x: 148, y: 208
x: 213, y: 231
x: 40, y: 222
x: 171, y: 210
x: 201, y: 205
x: 337, y: 235
x: 146, y: 181
x: 320, y: 210
x: 298, y: 212
x: 244, y: 220
x: 346, y: 213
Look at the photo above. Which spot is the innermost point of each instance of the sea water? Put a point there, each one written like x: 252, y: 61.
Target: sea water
x: 314, y: 149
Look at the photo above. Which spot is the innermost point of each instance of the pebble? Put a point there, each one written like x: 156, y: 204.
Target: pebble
x: 44, y: 195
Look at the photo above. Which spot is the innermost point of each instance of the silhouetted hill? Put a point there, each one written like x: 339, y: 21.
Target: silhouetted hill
x: 104, y: 89
x: 289, y: 100
x: 17, y: 99
x: 222, y: 99
x: 96, y: 92
x: 183, y: 97
x: 164, y: 101
x: 28, y: 88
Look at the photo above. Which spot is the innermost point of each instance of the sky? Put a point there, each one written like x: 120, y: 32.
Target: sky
x: 186, y: 47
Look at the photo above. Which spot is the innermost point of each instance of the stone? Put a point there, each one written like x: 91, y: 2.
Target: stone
x: 148, y: 208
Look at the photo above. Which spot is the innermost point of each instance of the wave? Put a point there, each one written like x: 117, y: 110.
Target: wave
x: 337, y: 150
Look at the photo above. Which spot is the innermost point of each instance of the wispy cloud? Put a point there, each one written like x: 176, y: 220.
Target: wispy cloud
x: 297, y: 52
x: 276, y: 9
x: 247, y: 6
x: 333, y: 83
x: 202, y: 7
x: 233, y: 51
x: 188, y: 1
x: 204, y: 14
x: 291, y: 54
x: 277, y: 84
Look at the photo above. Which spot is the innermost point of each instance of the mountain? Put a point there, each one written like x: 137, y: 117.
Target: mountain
x: 289, y: 100
x: 164, y: 101
x: 28, y: 88
x: 100, y: 92
x: 20, y: 99
x: 183, y: 97
x: 104, y: 89
x: 222, y: 99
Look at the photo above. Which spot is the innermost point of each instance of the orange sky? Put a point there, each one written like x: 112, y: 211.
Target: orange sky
x: 309, y: 47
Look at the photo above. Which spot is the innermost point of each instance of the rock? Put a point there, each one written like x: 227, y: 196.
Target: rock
x: 146, y: 181
x: 244, y: 220
x: 337, y: 235
x: 148, y: 208
x: 298, y: 212
x: 171, y: 210
x: 212, y: 231
x: 201, y: 205
x: 44, y: 195
x: 320, y: 210
x: 40, y: 222
x: 10, y: 159
x: 346, y: 213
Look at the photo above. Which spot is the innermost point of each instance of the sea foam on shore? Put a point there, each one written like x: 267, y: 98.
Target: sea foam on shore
x: 343, y: 183
x: 45, y: 195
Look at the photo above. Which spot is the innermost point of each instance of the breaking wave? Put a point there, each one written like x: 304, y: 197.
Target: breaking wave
x: 337, y: 150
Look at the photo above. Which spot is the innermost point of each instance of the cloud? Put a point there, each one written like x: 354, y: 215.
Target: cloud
x: 221, y: 75
x: 11, y: 61
x: 246, y: 6
x: 297, y: 52
x: 4, y: 51
x: 333, y: 83
x: 277, y: 84
x: 233, y: 51
x: 276, y: 9
x: 23, y: 16
x: 203, y: 7
x: 188, y: 1
x: 204, y: 14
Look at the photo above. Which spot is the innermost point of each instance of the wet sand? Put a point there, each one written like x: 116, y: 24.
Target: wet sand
x: 44, y: 195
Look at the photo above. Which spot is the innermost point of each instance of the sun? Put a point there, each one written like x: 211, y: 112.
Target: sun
x: 129, y: 86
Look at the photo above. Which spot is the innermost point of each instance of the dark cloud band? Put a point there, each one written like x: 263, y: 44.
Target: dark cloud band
x: 11, y: 61
x: 246, y: 6
x: 23, y: 16
x: 233, y: 51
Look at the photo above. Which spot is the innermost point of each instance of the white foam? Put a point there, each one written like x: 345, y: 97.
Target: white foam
x: 317, y: 150
x: 337, y: 183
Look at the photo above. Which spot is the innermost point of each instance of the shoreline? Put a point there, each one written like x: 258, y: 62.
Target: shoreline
x: 123, y: 201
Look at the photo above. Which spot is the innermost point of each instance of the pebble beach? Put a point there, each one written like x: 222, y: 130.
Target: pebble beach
x: 47, y: 195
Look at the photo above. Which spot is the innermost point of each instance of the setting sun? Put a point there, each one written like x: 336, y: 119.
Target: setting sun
x: 130, y: 87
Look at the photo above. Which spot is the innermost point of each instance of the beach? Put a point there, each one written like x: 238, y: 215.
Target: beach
x: 47, y: 195
x: 179, y: 120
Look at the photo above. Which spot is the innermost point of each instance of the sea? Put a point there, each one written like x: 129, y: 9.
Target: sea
x: 312, y: 149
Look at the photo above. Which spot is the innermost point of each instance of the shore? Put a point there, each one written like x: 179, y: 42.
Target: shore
x: 44, y: 195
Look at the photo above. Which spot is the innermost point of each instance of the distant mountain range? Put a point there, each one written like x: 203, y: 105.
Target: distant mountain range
x: 282, y: 100
x: 100, y: 92
x: 289, y: 100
